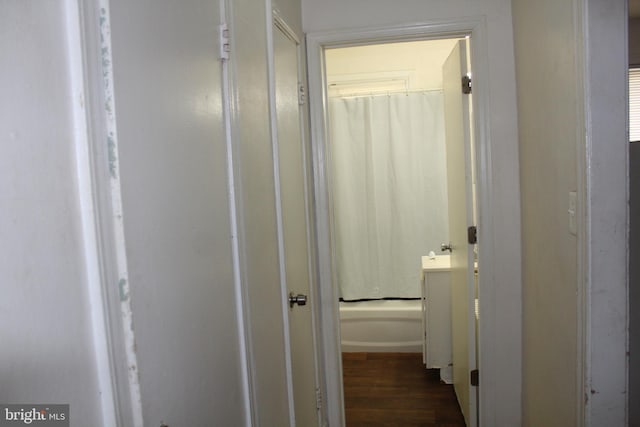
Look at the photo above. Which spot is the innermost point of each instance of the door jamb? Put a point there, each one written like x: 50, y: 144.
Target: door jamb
x: 327, y: 290
x: 99, y: 184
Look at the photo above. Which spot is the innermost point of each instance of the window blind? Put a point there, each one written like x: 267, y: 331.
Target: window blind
x: 634, y: 104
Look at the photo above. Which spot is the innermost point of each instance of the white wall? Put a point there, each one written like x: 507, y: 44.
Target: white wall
x: 46, y: 330
x: 607, y: 174
x: 570, y: 73
x: 159, y: 60
x: 547, y: 95
x: 504, y: 348
x: 172, y: 169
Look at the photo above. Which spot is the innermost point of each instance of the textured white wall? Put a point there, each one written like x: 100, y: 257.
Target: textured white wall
x: 47, y: 347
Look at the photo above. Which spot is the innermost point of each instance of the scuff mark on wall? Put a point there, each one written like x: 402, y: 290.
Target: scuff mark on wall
x: 113, y: 158
x: 105, y: 51
x: 107, y: 76
x: 124, y: 289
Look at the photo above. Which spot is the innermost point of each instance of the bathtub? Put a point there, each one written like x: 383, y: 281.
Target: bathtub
x: 381, y: 326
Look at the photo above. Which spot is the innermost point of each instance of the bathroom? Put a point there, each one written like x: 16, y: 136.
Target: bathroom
x: 389, y: 184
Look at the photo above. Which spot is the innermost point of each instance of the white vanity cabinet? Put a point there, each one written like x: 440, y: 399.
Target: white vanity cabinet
x: 436, y: 315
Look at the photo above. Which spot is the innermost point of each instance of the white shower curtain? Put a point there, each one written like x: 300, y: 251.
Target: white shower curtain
x: 389, y: 191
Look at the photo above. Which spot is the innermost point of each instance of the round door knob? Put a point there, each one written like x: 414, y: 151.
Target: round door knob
x: 297, y: 299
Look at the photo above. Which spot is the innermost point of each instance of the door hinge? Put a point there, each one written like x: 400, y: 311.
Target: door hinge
x: 318, y: 399
x: 225, y: 42
x: 472, y: 235
x: 302, y: 94
x: 466, y: 85
x: 475, y: 378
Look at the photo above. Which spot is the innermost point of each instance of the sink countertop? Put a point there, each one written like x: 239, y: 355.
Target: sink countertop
x: 437, y: 263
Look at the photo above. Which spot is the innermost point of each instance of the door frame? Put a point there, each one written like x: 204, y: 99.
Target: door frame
x: 103, y: 226
x: 489, y: 360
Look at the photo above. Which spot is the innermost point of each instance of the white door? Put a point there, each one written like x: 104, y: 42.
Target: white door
x: 293, y: 162
x: 459, y: 182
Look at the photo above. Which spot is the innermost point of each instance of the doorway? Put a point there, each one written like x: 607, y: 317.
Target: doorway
x: 385, y: 182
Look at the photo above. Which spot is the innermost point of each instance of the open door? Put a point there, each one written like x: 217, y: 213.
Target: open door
x: 293, y: 162
x: 460, y: 193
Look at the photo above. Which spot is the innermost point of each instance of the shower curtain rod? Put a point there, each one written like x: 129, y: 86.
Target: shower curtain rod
x: 385, y: 93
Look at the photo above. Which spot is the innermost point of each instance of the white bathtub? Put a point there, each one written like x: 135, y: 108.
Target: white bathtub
x: 381, y: 326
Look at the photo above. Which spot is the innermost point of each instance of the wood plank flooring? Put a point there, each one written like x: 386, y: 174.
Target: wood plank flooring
x: 395, y: 390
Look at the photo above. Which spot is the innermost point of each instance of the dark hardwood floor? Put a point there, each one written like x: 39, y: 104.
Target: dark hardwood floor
x: 395, y: 390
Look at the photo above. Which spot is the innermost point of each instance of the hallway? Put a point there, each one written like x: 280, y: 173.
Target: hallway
x: 145, y: 257
x: 394, y: 389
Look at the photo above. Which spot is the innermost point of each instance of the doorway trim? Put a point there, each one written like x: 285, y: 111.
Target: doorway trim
x: 489, y: 361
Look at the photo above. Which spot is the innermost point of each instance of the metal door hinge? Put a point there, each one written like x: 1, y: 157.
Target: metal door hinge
x: 302, y: 94
x: 475, y: 378
x: 318, y: 399
x: 472, y: 235
x: 225, y: 42
x: 466, y: 85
